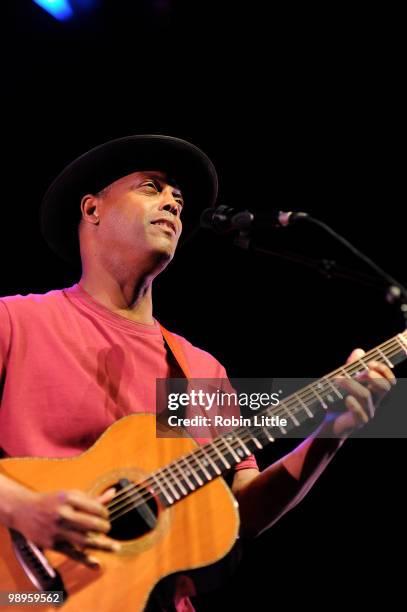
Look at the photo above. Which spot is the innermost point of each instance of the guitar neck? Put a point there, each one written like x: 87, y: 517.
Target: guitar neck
x: 188, y: 473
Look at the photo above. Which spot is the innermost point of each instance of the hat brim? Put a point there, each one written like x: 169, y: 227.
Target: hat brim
x: 185, y: 163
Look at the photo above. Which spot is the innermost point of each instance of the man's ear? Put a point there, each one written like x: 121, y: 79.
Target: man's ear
x: 89, y: 209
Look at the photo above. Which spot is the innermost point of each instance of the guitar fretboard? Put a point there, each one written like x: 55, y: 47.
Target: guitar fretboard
x: 190, y: 472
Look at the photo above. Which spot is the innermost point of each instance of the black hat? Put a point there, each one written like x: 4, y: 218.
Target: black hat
x: 192, y: 170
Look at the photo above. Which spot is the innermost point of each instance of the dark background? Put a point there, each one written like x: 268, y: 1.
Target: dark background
x: 299, y: 108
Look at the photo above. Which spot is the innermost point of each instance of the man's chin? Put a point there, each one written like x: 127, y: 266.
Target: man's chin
x: 163, y: 255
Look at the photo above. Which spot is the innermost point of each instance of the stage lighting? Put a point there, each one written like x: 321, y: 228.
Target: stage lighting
x: 60, y: 9
x: 66, y: 9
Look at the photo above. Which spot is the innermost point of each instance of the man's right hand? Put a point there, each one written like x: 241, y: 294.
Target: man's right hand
x: 66, y: 521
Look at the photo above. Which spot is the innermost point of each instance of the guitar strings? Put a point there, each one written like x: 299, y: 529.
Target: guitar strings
x: 174, y: 481
x: 169, y: 477
x: 131, y: 493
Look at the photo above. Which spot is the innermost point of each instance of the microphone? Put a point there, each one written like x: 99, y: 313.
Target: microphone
x: 224, y: 219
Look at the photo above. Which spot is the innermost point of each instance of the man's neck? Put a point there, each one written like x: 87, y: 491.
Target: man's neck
x: 131, y: 298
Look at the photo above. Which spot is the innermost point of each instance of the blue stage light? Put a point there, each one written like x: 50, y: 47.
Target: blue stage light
x: 60, y: 9
x: 66, y: 9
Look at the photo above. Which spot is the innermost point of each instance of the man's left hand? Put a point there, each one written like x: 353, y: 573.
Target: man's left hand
x: 366, y: 391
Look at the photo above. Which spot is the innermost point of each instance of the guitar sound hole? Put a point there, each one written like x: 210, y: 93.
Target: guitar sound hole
x: 132, y: 512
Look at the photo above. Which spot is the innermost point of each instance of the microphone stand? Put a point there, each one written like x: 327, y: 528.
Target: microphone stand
x: 395, y: 292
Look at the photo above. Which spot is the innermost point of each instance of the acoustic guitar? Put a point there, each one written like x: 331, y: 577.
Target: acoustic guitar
x: 172, y: 511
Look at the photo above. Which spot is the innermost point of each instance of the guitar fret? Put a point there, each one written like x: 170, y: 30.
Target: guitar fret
x: 333, y: 387
x: 388, y: 362
x: 398, y: 355
x: 363, y: 363
x: 304, y: 405
x: 194, y: 473
x: 187, y: 472
x: 257, y: 442
x: 169, y: 483
x: 232, y: 452
x: 292, y: 417
x: 319, y: 398
x: 215, y: 467
x: 268, y: 436
x: 223, y: 459
x: 183, y: 477
x: 241, y: 453
x: 243, y: 445
x: 202, y: 458
x: 324, y: 392
x: 163, y: 491
x: 177, y: 481
x: 208, y: 476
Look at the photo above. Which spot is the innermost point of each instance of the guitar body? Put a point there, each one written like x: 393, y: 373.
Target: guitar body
x: 196, y: 531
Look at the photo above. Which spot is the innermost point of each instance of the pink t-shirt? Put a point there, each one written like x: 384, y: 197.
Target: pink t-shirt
x: 69, y: 368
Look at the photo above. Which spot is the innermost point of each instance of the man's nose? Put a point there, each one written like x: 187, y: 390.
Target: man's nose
x: 170, y: 205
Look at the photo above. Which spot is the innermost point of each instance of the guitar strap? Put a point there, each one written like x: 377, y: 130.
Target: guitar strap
x: 234, y: 556
x: 174, y: 347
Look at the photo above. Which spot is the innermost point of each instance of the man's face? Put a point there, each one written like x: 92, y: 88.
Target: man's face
x: 140, y: 216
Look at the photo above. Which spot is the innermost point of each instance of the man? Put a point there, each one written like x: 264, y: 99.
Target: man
x: 75, y: 360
